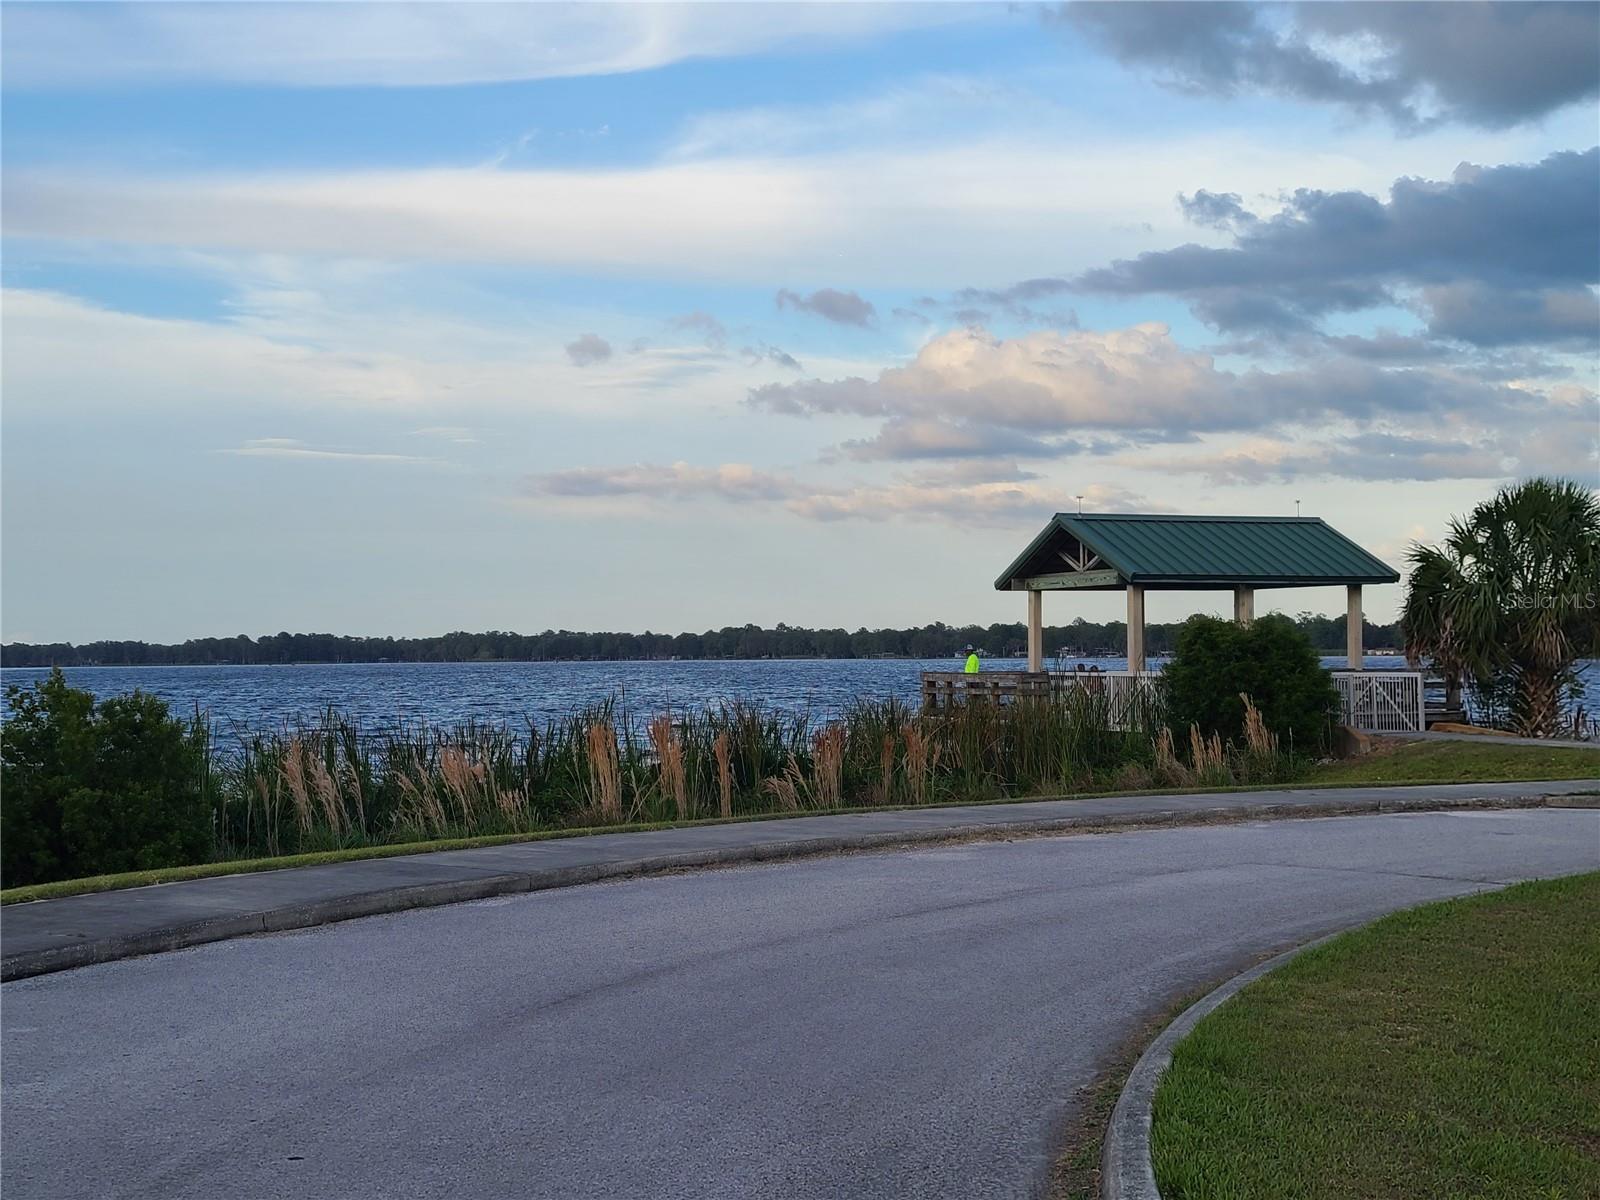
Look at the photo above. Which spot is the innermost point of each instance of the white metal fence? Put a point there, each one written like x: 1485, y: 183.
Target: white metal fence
x: 1378, y: 701
x: 1125, y: 691
x: 1381, y: 701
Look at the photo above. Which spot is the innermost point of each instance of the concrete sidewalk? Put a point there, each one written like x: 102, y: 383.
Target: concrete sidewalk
x: 1490, y: 739
x: 54, y: 935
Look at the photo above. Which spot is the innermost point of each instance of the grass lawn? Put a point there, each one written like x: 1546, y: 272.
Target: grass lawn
x: 1463, y: 762
x: 1450, y: 1051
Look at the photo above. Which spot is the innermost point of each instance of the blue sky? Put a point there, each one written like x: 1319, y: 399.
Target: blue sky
x: 381, y: 319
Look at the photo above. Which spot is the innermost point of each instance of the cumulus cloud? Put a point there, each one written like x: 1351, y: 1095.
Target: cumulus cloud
x: 1224, y: 211
x: 1372, y: 411
x: 1016, y: 302
x: 1385, y: 346
x: 771, y: 354
x: 908, y: 438
x: 1557, y: 433
x: 842, y: 308
x: 1475, y: 312
x: 1519, y: 229
x: 1566, y: 440
x: 715, y: 336
x: 1372, y: 456
x: 590, y: 348
x: 706, y: 325
x: 1043, y: 382
x: 1138, y: 379
x: 1493, y: 64
x: 677, y: 481
x: 1490, y: 64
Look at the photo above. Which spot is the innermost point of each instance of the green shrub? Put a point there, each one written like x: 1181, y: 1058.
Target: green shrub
x: 1271, y: 661
x: 88, y: 789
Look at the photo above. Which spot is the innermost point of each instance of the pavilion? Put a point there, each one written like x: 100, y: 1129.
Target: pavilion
x: 1139, y: 553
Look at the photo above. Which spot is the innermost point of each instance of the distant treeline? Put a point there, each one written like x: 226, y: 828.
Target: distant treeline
x: 1082, y: 638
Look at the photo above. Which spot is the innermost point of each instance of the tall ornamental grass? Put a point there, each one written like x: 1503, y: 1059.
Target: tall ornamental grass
x: 329, y: 784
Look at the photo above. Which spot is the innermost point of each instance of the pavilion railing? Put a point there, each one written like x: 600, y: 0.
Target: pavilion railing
x: 940, y: 689
x: 1376, y: 701
x: 1129, y: 696
x: 1382, y: 701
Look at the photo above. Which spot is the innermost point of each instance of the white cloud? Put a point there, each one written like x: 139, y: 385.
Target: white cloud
x: 1004, y: 503
x: 831, y: 304
x: 1556, y: 433
x: 588, y: 349
x: 678, y: 481
x: 984, y: 211
x: 460, y: 435
x: 1047, y: 394
x: 1369, y: 457
x: 909, y: 438
x: 1137, y: 378
x: 406, y: 45
x: 950, y: 497
x: 924, y: 109
x: 165, y: 363
x: 294, y: 448
x: 278, y: 351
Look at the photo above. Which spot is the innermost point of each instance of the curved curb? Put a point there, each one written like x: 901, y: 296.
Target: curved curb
x: 377, y: 902
x: 1126, y: 1170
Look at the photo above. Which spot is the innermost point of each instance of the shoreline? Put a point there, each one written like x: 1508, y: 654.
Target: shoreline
x: 532, y: 662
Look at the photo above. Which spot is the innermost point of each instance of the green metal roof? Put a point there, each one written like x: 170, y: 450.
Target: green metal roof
x: 1197, y: 552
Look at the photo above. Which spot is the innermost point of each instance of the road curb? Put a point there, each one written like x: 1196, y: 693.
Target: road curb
x: 378, y: 902
x: 1126, y: 1170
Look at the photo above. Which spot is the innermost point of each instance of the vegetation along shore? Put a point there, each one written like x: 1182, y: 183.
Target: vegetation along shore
x: 121, y: 785
x: 1083, y: 638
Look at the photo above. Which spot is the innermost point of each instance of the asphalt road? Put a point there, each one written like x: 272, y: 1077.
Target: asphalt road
x: 905, y: 1024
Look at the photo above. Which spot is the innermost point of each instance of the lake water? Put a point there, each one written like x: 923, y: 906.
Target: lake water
x: 383, y: 695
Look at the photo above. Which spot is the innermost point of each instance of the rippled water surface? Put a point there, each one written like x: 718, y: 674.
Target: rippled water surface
x: 385, y: 694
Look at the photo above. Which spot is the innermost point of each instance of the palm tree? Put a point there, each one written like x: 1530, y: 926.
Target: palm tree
x: 1512, y: 597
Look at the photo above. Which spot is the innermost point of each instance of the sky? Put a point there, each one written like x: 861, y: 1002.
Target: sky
x: 379, y: 319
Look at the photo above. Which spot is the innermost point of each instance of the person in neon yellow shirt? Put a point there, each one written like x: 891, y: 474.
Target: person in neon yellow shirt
x: 972, y: 661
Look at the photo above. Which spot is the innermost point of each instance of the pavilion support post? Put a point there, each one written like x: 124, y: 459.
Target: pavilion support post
x: 1035, y: 630
x: 1354, y: 651
x: 1244, y: 605
x: 1135, y: 627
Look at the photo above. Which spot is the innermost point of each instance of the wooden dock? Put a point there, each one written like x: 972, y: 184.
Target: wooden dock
x: 940, y: 689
